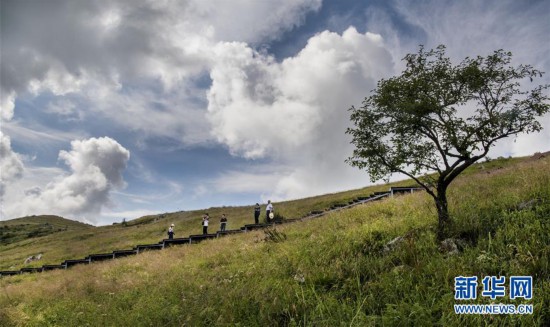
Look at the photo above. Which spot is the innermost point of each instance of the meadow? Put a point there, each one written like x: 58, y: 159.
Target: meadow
x: 79, y: 240
x: 15, y: 230
x: 337, y: 270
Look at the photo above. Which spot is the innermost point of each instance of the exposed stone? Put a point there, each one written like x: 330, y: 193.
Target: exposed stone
x: 393, y: 243
x: 33, y: 258
x: 449, y: 246
x: 528, y: 204
x: 299, y: 278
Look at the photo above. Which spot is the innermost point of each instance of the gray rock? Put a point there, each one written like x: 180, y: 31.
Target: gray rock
x: 29, y: 260
x: 33, y: 258
x: 393, y: 244
x: 449, y: 246
x: 528, y: 204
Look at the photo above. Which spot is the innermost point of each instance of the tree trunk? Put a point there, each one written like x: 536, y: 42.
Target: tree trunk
x: 442, y: 213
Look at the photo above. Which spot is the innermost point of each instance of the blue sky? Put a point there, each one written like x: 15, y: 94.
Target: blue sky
x: 117, y: 109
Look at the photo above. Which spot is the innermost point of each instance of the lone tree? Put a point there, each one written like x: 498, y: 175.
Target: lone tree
x: 436, y: 119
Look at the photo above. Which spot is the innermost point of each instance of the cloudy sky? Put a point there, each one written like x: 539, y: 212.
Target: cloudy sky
x: 117, y: 109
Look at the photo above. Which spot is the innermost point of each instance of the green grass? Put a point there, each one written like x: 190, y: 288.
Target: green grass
x: 332, y: 271
x: 78, y: 243
x: 15, y: 230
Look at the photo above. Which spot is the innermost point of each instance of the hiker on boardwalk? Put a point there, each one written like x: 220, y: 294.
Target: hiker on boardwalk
x: 257, y: 210
x: 268, y: 211
x: 171, y: 232
x: 223, y: 222
x: 205, y: 219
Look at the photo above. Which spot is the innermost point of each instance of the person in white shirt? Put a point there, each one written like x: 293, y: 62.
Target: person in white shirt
x: 268, y: 210
x: 171, y: 232
x: 205, y: 219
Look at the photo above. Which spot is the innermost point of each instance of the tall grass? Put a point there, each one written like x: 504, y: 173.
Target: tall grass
x: 333, y: 271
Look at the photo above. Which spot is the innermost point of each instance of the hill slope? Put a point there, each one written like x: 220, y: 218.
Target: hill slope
x: 15, y: 230
x: 336, y: 270
x: 75, y: 244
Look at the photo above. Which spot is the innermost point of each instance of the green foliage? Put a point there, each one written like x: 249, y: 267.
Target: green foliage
x: 415, y: 122
x: 423, y: 121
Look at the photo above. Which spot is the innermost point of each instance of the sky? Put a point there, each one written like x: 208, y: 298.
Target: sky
x: 113, y: 110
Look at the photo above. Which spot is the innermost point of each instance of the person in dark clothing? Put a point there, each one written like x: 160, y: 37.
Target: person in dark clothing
x: 223, y: 222
x: 171, y: 232
x: 205, y: 219
x: 257, y: 210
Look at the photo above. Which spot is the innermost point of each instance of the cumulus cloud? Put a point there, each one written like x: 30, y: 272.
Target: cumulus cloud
x: 295, y: 112
x: 258, y: 21
x: 133, y: 63
x: 7, y: 99
x: 96, y: 166
x: 189, y: 71
x: 11, y: 166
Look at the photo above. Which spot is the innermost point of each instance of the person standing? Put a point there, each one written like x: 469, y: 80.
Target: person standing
x: 205, y: 219
x: 257, y: 210
x: 223, y: 222
x: 268, y: 211
x: 171, y: 232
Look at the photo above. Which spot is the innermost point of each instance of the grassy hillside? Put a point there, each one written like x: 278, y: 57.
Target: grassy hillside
x: 78, y: 243
x: 330, y: 271
x: 15, y: 230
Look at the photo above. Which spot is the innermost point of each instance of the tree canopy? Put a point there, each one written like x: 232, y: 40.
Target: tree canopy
x: 436, y: 119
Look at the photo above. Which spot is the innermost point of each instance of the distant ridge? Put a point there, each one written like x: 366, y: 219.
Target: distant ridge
x: 18, y: 229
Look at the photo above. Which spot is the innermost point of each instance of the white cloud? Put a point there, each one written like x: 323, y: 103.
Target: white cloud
x: 258, y: 21
x: 169, y: 190
x: 144, y: 66
x: 473, y: 27
x: 30, y: 135
x: 295, y: 112
x: 111, y: 54
x: 108, y: 56
x: 129, y: 214
x: 7, y: 99
x: 11, y: 166
x: 178, y: 115
x: 242, y: 182
x: 109, y: 216
x: 96, y: 168
x: 66, y: 109
x: 199, y: 191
